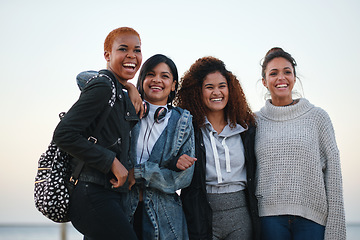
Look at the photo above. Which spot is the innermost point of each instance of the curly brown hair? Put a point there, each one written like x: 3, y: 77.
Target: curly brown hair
x: 110, y: 38
x: 189, y: 97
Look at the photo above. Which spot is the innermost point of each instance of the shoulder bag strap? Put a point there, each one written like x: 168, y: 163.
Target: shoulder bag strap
x: 76, y: 173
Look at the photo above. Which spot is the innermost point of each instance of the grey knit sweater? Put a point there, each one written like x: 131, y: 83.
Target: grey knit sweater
x: 299, y: 166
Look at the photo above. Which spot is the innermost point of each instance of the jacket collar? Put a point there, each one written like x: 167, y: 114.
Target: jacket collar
x: 130, y: 113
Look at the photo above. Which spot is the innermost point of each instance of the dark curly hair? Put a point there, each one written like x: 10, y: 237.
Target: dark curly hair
x: 189, y: 97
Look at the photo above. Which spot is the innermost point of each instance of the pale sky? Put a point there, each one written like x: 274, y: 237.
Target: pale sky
x: 44, y: 44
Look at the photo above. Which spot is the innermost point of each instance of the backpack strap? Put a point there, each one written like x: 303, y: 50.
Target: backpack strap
x: 76, y: 173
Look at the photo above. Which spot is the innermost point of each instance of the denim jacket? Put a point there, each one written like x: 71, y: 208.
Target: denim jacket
x: 160, y: 181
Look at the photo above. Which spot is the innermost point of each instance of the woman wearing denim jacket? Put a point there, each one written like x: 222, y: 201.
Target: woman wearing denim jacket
x: 220, y: 203
x: 162, y: 137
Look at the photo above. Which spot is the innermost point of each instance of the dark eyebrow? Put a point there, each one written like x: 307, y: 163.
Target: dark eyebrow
x: 210, y: 84
x: 278, y: 69
x: 124, y: 45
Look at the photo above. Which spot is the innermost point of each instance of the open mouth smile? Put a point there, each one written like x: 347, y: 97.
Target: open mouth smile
x: 156, y: 88
x: 216, y: 99
x: 129, y: 65
x: 282, y: 85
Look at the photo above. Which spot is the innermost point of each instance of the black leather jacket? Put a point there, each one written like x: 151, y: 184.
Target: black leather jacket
x: 81, y: 120
x: 196, y: 206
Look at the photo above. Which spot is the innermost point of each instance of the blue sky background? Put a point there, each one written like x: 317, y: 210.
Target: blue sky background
x: 44, y: 44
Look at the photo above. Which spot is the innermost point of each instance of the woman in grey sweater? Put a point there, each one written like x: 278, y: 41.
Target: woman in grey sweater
x: 299, y: 182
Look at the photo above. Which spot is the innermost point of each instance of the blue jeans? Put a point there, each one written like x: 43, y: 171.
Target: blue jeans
x: 98, y: 213
x: 287, y: 227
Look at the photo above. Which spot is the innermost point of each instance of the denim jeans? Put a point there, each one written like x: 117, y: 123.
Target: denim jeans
x: 287, y: 227
x: 98, y: 213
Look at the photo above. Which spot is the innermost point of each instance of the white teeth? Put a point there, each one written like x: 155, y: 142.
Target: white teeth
x: 129, y: 65
x: 216, y: 99
x: 158, y: 88
x: 281, y: 86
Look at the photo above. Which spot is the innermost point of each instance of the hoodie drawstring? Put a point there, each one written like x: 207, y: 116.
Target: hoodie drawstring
x: 227, y: 155
x: 216, y: 157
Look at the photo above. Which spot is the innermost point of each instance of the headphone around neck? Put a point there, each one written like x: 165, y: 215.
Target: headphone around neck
x: 159, y: 114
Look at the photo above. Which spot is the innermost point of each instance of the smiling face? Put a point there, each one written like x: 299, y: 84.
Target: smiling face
x: 125, y: 57
x: 215, y: 92
x: 279, y: 80
x: 158, y: 84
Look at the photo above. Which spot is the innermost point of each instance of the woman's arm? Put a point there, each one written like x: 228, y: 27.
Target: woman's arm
x: 68, y: 135
x: 160, y: 176
x: 335, y: 227
x: 135, y: 98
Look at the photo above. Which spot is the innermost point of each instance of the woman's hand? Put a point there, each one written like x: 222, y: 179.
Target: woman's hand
x: 120, y: 173
x: 185, y: 161
x: 135, y: 98
x: 131, y: 178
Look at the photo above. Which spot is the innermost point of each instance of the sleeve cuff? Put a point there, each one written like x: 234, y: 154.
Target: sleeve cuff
x: 139, y: 171
x: 109, y: 159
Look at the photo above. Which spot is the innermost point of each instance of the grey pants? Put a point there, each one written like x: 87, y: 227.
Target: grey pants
x: 231, y: 218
